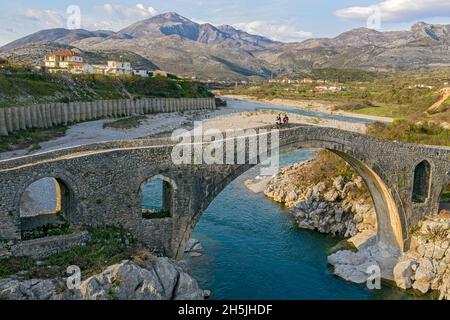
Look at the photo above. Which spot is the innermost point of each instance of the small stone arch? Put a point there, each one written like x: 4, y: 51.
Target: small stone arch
x: 64, y: 203
x: 169, y: 187
x: 421, y: 182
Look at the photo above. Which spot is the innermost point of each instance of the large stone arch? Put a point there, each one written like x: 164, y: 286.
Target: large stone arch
x: 392, y: 230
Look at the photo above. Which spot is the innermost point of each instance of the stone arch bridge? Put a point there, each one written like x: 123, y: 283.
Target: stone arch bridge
x: 101, y: 184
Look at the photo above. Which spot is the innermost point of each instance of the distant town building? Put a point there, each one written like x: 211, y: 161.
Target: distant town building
x: 421, y: 86
x: 119, y: 68
x: 328, y: 89
x: 141, y: 73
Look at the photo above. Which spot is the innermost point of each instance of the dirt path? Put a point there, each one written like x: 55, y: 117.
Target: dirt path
x: 437, y: 105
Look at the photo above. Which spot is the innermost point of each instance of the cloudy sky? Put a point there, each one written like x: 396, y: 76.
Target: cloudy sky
x: 284, y: 20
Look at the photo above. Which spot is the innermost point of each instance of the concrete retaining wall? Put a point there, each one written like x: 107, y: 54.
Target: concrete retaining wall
x: 52, y: 114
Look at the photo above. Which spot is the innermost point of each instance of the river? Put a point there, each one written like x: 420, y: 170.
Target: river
x: 252, y: 249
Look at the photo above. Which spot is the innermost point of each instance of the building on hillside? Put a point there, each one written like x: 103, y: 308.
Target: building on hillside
x: 141, y: 73
x: 81, y: 68
x: 70, y: 61
x: 62, y: 59
x: 100, y: 69
x: 119, y: 68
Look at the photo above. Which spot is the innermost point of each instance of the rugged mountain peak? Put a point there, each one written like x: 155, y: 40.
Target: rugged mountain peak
x: 227, y: 28
x: 435, y: 32
x: 169, y: 17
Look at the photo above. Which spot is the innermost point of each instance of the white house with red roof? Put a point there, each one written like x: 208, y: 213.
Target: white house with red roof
x: 62, y: 59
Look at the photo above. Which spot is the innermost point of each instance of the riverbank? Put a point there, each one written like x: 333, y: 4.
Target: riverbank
x: 310, y: 105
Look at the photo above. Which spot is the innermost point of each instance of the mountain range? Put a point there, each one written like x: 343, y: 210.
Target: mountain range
x: 174, y: 43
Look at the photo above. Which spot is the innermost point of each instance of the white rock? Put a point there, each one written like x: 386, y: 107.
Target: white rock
x: 403, y: 273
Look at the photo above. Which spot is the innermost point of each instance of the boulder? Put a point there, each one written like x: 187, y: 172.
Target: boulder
x: 193, y: 245
x: 291, y: 196
x: 424, y: 276
x: 403, y: 273
x: 160, y: 279
x: 338, y: 183
x: 13, y: 289
x: 331, y: 196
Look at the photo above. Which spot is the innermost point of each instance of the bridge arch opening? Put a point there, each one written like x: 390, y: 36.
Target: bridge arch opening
x: 43, y: 208
x: 422, y: 182
x: 390, y: 230
x: 157, y: 197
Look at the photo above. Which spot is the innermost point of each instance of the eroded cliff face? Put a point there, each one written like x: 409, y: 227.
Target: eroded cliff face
x: 340, y: 206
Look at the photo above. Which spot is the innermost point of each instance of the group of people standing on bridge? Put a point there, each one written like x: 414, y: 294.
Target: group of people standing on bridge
x: 282, y: 121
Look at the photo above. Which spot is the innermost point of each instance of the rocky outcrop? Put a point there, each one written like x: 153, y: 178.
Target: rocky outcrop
x: 370, y: 257
x: 343, y: 208
x: 144, y: 278
x: 425, y: 267
x: 194, y: 248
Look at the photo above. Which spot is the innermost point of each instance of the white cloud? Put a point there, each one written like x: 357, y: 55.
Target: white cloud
x: 107, y: 16
x: 399, y: 10
x: 137, y: 12
x: 274, y: 31
x: 115, y: 16
x: 47, y: 18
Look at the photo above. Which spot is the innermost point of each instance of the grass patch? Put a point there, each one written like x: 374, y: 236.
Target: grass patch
x: 376, y: 111
x: 405, y: 131
x: 31, y: 137
x: 324, y: 168
x: 20, y: 87
x: 48, y: 230
x: 12, y: 265
x: 437, y: 233
x: 126, y: 123
x: 109, y: 245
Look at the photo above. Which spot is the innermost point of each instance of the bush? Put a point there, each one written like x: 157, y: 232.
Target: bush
x: 405, y: 131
